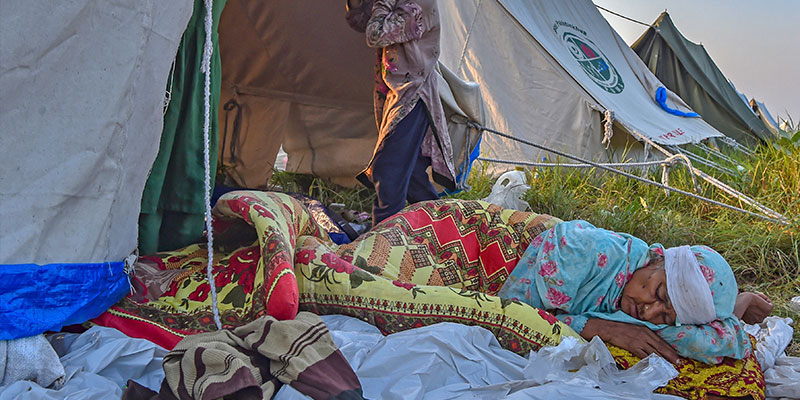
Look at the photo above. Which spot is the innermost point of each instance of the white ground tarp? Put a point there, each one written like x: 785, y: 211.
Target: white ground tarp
x: 435, y: 362
x: 454, y: 361
x: 83, y: 92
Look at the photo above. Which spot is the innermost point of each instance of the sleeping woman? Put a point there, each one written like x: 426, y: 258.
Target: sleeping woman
x: 467, y: 262
x: 645, y: 299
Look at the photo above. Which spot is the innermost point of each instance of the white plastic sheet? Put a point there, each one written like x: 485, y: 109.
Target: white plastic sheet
x: 453, y: 361
x: 98, y: 363
x: 783, y: 380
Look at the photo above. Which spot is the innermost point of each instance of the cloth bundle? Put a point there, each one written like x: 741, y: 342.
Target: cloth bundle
x: 30, y: 358
x: 252, y: 361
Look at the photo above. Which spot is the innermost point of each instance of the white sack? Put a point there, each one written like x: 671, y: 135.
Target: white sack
x: 98, y: 363
x: 508, y: 190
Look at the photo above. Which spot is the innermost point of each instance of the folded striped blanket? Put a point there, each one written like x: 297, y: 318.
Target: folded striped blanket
x: 253, y: 361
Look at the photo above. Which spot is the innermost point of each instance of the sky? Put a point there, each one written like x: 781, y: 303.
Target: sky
x: 755, y: 43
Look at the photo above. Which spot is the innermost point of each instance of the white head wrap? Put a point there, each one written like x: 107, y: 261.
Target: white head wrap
x: 688, y: 290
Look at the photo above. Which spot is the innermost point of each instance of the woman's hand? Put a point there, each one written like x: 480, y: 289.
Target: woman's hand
x: 752, y: 308
x: 639, y: 340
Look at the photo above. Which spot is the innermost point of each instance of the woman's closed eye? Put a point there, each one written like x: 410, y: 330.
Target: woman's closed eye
x: 663, y: 296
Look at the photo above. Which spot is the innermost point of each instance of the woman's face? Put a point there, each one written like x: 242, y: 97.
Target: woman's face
x: 645, y: 296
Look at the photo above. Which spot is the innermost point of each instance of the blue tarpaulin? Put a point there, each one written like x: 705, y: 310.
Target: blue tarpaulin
x: 38, y: 298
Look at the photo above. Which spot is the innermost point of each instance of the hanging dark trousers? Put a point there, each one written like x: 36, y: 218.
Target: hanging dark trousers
x: 399, y: 168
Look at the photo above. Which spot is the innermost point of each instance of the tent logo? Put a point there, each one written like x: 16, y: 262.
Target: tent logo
x: 596, y: 65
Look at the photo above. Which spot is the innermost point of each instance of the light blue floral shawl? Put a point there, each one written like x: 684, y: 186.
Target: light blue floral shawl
x: 578, y: 271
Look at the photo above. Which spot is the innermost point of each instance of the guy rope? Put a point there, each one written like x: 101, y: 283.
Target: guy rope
x: 770, y: 214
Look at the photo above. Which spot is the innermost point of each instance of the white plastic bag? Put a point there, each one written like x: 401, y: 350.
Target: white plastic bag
x: 772, y: 337
x: 590, y: 368
x: 794, y: 303
x: 783, y: 380
x: 507, y: 192
x: 281, y: 160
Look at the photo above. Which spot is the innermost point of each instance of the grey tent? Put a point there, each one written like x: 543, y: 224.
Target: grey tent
x: 686, y: 69
x: 764, y: 115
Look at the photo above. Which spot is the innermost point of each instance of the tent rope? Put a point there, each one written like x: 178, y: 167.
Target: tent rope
x: 622, y: 16
x: 710, y: 150
x: 130, y: 268
x: 666, y: 163
x: 574, y: 165
x: 703, y: 161
x: 205, y: 67
x: 168, y: 94
x: 645, y: 156
x: 779, y: 219
x: 717, y: 183
x: 733, y: 143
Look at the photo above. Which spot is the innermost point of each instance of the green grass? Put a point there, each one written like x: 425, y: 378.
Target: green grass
x: 765, y: 256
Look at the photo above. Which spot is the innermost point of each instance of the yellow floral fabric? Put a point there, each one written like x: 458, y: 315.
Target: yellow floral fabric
x: 697, y: 380
x: 173, y: 297
x: 470, y: 245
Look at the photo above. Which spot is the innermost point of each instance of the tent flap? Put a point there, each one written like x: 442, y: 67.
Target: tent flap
x: 82, y: 130
x: 586, y: 46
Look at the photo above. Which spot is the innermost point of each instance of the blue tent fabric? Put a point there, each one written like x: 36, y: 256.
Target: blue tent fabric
x: 38, y: 298
x: 466, y: 167
x: 661, y: 99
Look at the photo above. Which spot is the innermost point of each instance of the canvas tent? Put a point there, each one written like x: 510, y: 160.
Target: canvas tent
x: 688, y: 70
x: 83, y: 92
x: 308, y: 86
x: 548, y: 70
x: 81, y: 133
